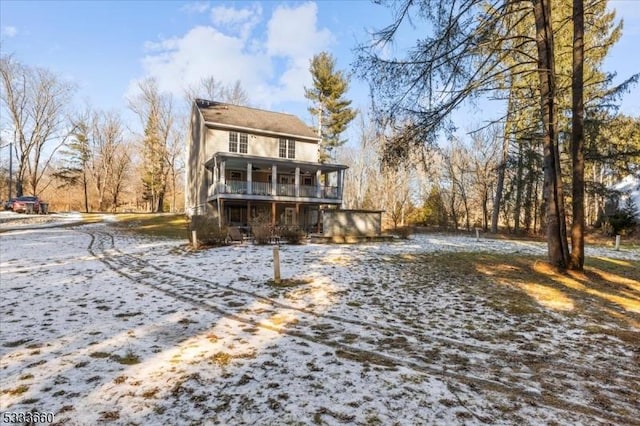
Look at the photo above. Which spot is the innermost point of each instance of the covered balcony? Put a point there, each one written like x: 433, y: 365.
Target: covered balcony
x: 244, y: 177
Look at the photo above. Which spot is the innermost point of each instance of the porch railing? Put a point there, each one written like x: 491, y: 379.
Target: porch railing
x: 282, y: 189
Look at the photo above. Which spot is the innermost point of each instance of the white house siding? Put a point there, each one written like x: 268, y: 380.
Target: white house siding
x: 260, y: 145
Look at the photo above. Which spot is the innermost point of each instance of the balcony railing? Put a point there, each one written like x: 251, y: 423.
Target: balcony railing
x: 266, y: 188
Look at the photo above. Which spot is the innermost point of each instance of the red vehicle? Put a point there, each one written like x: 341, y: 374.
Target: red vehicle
x: 26, y: 204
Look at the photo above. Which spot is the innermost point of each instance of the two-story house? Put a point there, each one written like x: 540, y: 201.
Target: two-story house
x: 244, y: 163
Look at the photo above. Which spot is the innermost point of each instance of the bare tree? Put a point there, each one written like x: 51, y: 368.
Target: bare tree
x: 119, y: 169
x: 157, y: 116
x: 207, y: 88
x: 212, y: 89
x: 236, y: 95
x: 33, y: 105
x: 483, y: 153
x: 364, y: 166
x: 108, y: 157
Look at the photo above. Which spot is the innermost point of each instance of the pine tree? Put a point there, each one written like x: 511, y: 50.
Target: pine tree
x: 331, y: 109
x: 76, y: 154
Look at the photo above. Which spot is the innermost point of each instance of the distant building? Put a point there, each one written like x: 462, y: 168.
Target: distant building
x: 628, y: 188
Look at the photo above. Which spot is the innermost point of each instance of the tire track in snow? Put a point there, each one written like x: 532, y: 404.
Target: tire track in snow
x: 256, y: 310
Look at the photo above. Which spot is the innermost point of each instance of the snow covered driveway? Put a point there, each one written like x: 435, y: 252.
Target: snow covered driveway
x: 98, y: 326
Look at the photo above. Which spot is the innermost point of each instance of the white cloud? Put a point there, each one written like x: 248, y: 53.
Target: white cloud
x: 196, y: 7
x: 292, y: 32
x: 9, y: 31
x: 273, y: 68
x: 238, y: 21
x: 179, y: 62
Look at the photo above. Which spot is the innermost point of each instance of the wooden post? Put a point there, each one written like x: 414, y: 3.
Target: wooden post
x: 194, y: 238
x: 273, y: 214
x: 276, y: 264
x: 477, y: 234
x: 617, y: 242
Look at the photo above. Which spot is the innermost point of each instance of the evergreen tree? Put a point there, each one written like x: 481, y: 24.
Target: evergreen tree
x: 331, y: 109
x: 154, y: 167
x: 76, y: 155
x: 155, y: 110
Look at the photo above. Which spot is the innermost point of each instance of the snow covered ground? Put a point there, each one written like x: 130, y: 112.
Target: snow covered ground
x: 98, y: 326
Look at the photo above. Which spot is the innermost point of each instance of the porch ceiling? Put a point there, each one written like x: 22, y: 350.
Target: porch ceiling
x: 239, y: 161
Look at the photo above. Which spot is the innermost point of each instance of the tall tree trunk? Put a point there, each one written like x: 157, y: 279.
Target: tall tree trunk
x: 596, y: 198
x: 519, y: 185
x: 529, y: 194
x: 558, y: 249
x: 501, y: 168
x: 485, y: 210
x: 160, y: 205
x: 577, y: 139
x: 84, y: 185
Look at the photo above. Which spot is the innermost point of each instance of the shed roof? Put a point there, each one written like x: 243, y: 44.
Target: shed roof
x: 228, y: 115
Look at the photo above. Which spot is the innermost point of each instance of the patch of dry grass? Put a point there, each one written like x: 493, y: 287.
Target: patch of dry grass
x: 607, y: 289
x: 154, y: 224
x: 289, y: 282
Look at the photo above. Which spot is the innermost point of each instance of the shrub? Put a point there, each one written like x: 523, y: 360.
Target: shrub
x: 292, y: 234
x: 404, y: 232
x: 622, y: 220
x: 261, y: 234
x: 261, y: 228
x: 207, y: 230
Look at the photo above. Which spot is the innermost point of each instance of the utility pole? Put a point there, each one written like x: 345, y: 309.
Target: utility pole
x: 10, y: 168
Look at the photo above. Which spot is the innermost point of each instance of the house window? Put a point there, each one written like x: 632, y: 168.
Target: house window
x: 236, y: 175
x: 243, y: 143
x: 238, y: 142
x: 233, y: 142
x: 287, y: 148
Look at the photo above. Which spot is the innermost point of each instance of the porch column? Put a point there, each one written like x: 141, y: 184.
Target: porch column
x: 318, y: 188
x: 297, y: 219
x: 339, y: 189
x: 249, y: 178
x: 220, y: 213
x: 215, y: 171
x: 214, y: 180
x: 274, y: 181
x: 297, y: 182
x: 273, y: 213
x: 223, y: 179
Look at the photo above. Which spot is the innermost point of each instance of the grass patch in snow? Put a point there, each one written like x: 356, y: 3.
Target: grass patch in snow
x: 524, y: 285
x: 129, y: 358
x: 174, y: 226
x: 289, y: 282
x: 16, y: 391
x: 221, y: 359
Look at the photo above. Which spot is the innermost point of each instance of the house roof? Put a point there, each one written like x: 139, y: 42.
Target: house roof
x: 258, y: 120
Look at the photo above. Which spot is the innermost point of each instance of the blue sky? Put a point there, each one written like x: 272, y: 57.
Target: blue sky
x: 106, y: 46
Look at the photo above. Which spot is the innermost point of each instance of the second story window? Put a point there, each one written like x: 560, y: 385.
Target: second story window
x: 287, y: 148
x: 243, y: 143
x: 233, y: 142
x: 238, y: 142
